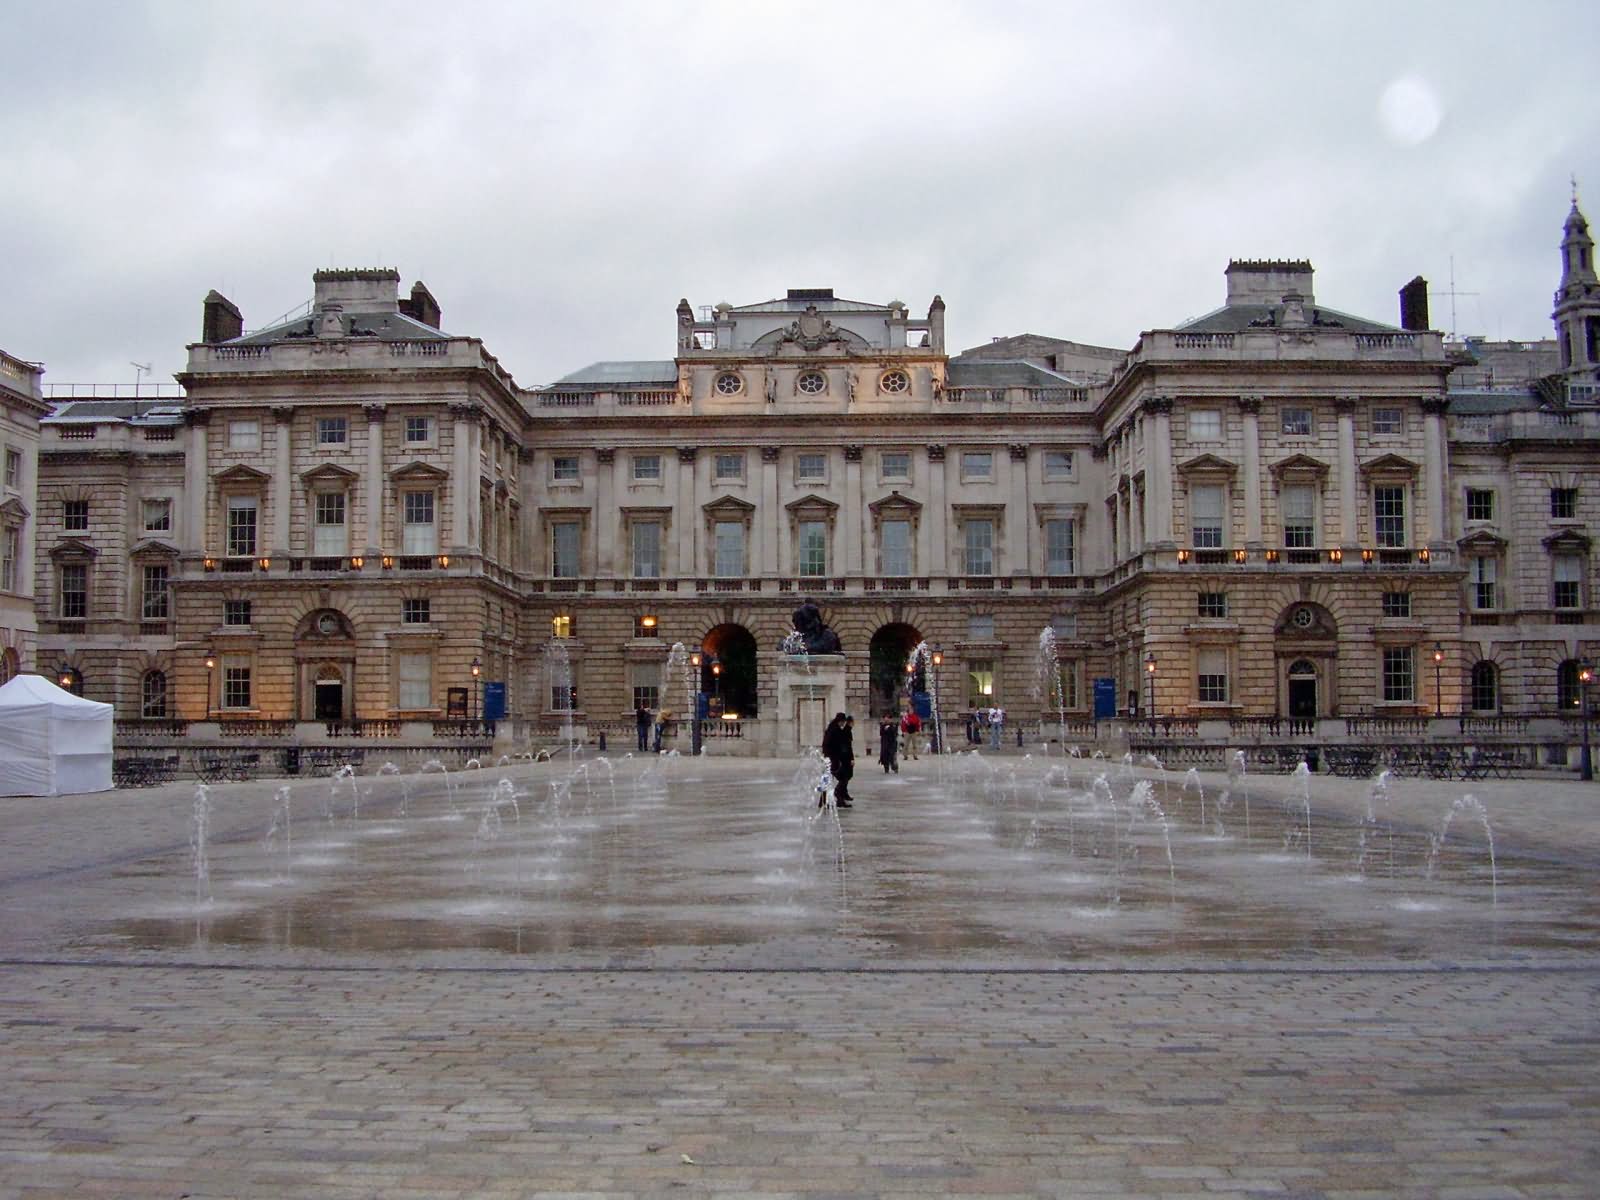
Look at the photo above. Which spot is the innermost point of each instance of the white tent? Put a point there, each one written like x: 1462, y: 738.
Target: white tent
x: 52, y: 742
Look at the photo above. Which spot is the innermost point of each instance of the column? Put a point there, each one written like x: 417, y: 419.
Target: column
x: 1017, y: 524
x: 372, y: 490
x: 855, y: 511
x: 1349, y: 496
x: 1159, y: 408
x: 768, y: 514
x: 195, y: 481
x: 282, y: 481
x: 937, y: 561
x: 607, y: 529
x: 1250, y: 469
x: 1431, y: 529
x: 463, y: 474
x: 685, y: 517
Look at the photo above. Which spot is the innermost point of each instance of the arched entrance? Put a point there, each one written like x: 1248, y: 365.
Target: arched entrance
x: 1307, y: 650
x: 728, y: 671
x: 325, y: 664
x: 889, y: 650
x: 1303, y: 689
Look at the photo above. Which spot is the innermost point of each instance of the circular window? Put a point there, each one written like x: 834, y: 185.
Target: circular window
x: 729, y: 384
x: 895, y: 382
x: 812, y: 383
x: 327, y: 624
x: 1302, y: 618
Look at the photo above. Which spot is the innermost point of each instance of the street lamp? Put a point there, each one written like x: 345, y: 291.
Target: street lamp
x: 938, y: 733
x: 695, y: 660
x: 477, y: 670
x: 1439, y: 676
x: 1150, y: 670
x: 1585, y: 762
x: 211, y: 665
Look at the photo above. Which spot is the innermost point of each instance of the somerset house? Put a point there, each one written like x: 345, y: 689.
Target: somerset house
x: 355, y: 524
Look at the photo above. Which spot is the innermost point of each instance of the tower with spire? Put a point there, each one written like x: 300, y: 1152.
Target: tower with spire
x: 1577, y: 307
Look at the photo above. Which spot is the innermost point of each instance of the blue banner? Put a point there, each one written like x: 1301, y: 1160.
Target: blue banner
x: 1105, y: 699
x: 494, y: 701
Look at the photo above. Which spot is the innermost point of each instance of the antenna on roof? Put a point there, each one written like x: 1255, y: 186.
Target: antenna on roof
x: 1452, y: 293
x: 140, y: 371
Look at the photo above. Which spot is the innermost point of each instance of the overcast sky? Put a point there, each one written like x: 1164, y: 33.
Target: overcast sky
x: 560, y: 174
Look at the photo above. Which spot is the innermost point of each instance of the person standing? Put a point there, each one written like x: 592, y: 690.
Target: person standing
x: 641, y: 721
x: 910, y: 726
x: 997, y: 721
x: 838, y: 747
x: 889, y: 743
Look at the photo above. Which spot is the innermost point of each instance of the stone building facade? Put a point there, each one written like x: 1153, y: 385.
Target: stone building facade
x: 1270, y: 511
x: 22, y: 405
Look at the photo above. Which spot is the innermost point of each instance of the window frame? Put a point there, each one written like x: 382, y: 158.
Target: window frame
x: 1291, y: 424
x: 1058, y: 465
x: 1201, y: 535
x: 411, y: 502
x: 1397, y: 666
x: 155, y: 602
x: 1204, y: 425
x: 1211, y: 606
x: 241, y: 539
x: 645, y: 468
x: 72, y: 591
x: 1391, y: 529
x: 1563, y: 504
x: 1478, y: 505
x: 560, y: 474
x: 416, y: 610
x: 333, y: 431
x: 979, y: 552
x: 75, y: 516
x: 244, y: 435
x: 977, y: 466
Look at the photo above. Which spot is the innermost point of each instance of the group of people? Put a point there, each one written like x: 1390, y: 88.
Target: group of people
x: 986, y: 724
x: 838, y: 747
x: 645, y: 723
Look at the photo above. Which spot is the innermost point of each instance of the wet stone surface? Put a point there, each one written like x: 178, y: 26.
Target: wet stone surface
x: 992, y: 977
x: 1007, y: 862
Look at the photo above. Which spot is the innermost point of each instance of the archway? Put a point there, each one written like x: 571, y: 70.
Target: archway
x: 888, y: 652
x: 728, y: 671
x: 325, y: 664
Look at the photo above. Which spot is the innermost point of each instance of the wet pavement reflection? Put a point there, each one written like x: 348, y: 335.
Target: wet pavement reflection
x: 990, y: 862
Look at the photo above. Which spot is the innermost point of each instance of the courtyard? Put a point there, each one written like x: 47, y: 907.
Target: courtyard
x: 998, y: 976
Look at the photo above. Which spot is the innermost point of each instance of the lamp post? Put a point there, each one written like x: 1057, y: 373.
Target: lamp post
x: 477, y: 670
x: 1150, y: 670
x: 211, y: 665
x: 716, y: 682
x: 1585, y: 762
x: 695, y: 660
x: 938, y: 732
x: 1438, y: 679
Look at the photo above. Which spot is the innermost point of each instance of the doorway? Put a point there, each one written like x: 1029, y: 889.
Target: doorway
x: 1302, y: 690
x: 328, y: 698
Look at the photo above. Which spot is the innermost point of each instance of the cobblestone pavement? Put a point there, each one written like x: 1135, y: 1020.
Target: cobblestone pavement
x: 272, y: 1074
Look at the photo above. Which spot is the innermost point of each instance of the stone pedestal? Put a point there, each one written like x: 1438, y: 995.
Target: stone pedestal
x: 811, y: 689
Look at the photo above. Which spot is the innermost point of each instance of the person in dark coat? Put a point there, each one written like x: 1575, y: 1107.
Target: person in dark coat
x: 838, y: 747
x: 641, y: 718
x: 889, y: 743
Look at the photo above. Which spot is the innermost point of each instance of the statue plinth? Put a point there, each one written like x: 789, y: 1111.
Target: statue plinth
x: 810, y: 691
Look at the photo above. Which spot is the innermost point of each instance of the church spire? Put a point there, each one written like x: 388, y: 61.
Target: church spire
x: 1577, y: 300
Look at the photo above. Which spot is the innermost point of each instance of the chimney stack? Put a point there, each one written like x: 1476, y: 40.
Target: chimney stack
x: 422, y: 306
x: 222, y: 321
x: 1414, y: 305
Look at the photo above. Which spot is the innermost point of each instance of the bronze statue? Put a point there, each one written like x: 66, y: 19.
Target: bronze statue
x: 817, y: 636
